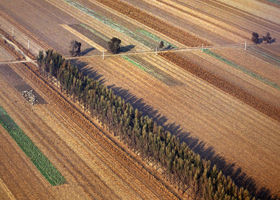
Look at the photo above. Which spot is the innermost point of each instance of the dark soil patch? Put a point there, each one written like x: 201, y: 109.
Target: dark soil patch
x: 17, y: 82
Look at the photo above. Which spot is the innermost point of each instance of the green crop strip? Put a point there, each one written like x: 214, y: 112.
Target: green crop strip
x: 41, y: 162
x: 155, y: 38
x: 275, y: 1
x: 145, y: 69
x: 136, y: 64
x: 246, y: 71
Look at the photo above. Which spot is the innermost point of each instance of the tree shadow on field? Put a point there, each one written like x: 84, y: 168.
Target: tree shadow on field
x: 229, y: 169
x: 126, y: 48
x: 87, y: 70
x: 86, y: 51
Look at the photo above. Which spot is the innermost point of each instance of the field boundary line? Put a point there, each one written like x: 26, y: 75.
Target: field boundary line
x: 7, y: 190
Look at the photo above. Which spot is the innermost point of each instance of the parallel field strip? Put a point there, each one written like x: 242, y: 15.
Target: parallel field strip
x: 127, y: 32
x: 41, y: 162
x: 266, y: 55
x: 15, y: 164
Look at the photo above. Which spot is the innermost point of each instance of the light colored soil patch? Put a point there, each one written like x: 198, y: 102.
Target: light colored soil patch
x: 5, y: 193
x: 4, y: 55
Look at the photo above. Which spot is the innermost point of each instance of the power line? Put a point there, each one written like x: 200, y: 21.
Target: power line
x: 156, y: 51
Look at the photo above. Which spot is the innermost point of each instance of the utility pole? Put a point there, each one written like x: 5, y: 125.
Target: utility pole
x: 245, y: 46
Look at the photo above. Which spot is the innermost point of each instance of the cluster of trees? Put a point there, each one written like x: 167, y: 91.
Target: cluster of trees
x: 182, y: 166
x: 258, y: 40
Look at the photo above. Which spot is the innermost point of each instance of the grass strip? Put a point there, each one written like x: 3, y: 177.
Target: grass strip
x: 155, y: 37
x: 136, y: 64
x: 145, y: 69
x: 243, y: 69
x: 275, y: 1
x: 41, y: 162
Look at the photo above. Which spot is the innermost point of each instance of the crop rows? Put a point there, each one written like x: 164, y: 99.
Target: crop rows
x: 41, y: 162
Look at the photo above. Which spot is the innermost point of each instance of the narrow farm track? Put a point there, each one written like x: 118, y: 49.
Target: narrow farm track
x: 24, y: 30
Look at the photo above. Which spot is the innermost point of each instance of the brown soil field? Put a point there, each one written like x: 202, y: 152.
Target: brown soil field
x: 261, y: 8
x: 219, y: 111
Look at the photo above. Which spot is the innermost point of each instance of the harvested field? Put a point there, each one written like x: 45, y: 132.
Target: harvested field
x: 218, y: 109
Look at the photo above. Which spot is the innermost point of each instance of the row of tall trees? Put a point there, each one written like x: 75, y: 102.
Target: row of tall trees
x: 182, y: 166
